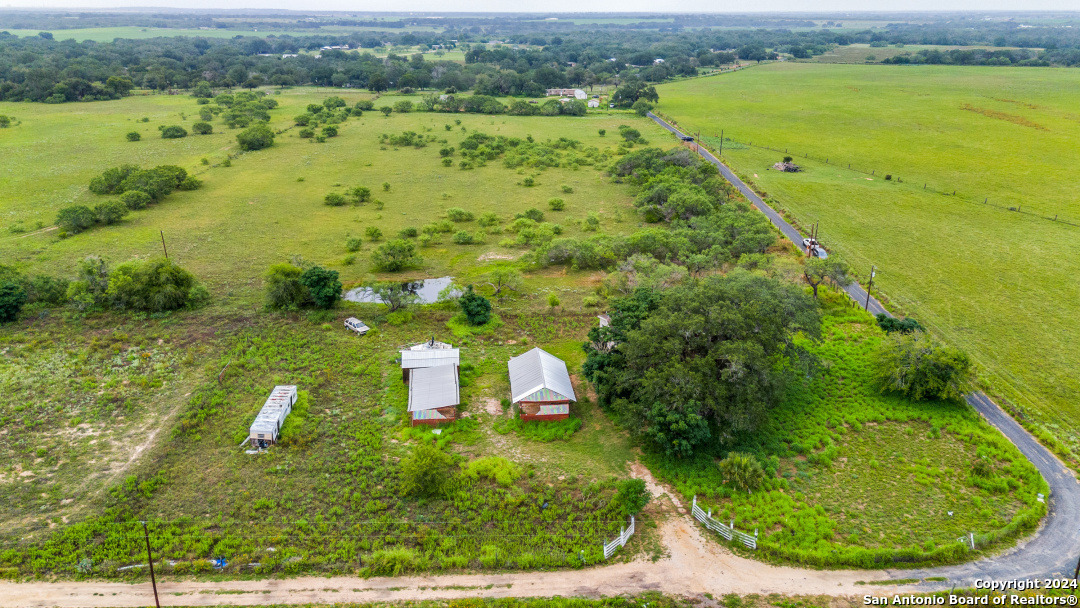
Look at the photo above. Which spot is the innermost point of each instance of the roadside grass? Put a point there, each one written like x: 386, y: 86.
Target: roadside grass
x: 990, y: 281
x: 258, y: 211
x: 868, y: 480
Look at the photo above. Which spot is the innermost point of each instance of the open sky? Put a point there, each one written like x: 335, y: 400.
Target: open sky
x: 549, y: 6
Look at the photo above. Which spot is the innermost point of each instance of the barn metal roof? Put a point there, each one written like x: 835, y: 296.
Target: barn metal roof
x: 413, y: 359
x: 536, y: 370
x: 433, y: 387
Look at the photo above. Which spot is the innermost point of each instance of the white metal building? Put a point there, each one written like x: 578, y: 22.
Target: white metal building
x: 429, y: 354
x: 540, y: 386
x: 434, y: 394
x: 267, y: 426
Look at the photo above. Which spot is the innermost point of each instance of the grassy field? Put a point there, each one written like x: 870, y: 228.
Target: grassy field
x: 997, y: 283
x: 268, y: 205
x: 864, y: 479
x: 862, y: 53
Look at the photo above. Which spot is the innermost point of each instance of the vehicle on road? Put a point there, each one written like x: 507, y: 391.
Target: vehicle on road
x: 814, y: 248
x: 686, y: 138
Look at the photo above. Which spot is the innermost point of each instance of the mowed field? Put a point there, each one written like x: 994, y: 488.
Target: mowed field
x: 1000, y: 284
x: 268, y: 205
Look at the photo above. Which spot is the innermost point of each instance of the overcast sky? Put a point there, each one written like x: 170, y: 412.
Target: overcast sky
x: 653, y: 6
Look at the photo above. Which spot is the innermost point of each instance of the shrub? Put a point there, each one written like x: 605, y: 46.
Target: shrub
x: 353, y: 243
x: 189, y: 183
x: 448, y: 162
x: 396, y: 255
x: 488, y: 219
x: 532, y: 213
x: 496, y: 468
x: 334, y: 200
x: 322, y: 285
x: 284, y: 289
x: 456, y: 214
x: 632, y: 496
x: 110, y: 212
x: 306, y: 133
x: 528, y: 182
x: 408, y: 232
x: 134, y: 136
x: 403, y: 106
x: 557, y: 204
x: 202, y: 128
x: 592, y: 301
x: 591, y: 223
x: 155, y: 285
x: 427, y: 472
x: 12, y: 299
x: 742, y: 471
x: 917, y: 367
x: 136, y: 199
x: 75, y: 219
x: 173, y: 132
x: 360, y: 194
x: 393, y: 562
x: 476, y: 307
x: 330, y: 131
x: 373, y: 233
x: 386, y: 110
x: 567, y: 189
x: 462, y: 237
x: 256, y: 137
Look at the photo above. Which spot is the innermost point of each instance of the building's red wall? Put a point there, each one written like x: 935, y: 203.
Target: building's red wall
x: 552, y: 417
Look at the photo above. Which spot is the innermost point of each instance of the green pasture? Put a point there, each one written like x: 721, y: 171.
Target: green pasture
x: 861, y: 53
x: 268, y: 205
x: 998, y: 283
x: 865, y: 479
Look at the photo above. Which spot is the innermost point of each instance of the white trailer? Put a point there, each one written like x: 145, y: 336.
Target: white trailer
x: 266, y: 429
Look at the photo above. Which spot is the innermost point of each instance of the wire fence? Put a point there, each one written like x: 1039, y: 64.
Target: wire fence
x: 727, y: 531
x: 716, y: 143
x: 624, y: 535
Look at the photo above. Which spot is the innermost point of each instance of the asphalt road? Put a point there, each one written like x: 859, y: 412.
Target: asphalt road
x: 1055, y: 547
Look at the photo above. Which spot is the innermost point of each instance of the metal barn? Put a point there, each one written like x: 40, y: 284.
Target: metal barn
x: 428, y: 354
x: 434, y: 394
x: 540, y: 386
x: 267, y: 426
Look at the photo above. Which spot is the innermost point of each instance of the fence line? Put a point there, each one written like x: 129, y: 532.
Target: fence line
x: 848, y: 166
x: 727, y: 531
x: 624, y: 535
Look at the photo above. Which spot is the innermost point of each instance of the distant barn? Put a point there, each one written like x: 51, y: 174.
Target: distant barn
x: 540, y: 386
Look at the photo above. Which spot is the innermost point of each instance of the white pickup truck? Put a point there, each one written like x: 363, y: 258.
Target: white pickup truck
x: 814, y: 248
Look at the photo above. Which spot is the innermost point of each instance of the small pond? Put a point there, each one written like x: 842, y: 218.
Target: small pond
x: 426, y: 290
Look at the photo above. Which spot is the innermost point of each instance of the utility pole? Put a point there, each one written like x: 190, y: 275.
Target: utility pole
x: 873, y: 271
x: 163, y: 244
x: 150, y: 560
x: 721, y: 143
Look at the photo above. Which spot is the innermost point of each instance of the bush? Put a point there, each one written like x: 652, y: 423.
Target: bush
x: 330, y: 131
x: 322, y: 285
x: 110, y: 212
x: 917, y: 367
x: 306, y: 133
x: 891, y: 324
x: 360, y: 194
x: 136, y: 199
x: 256, y: 137
x: 365, y: 105
x: 134, y: 136
x: 75, y: 219
x: 476, y: 307
x: 173, y: 132
x: 334, y: 200
x: 373, y: 233
x: 202, y: 128
x: 462, y: 237
x: 396, y: 255
x: 155, y: 285
x: 567, y: 189
x: 12, y: 299
x: 557, y: 204
x: 488, y: 220
x: 189, y: 183
x: 353, y: 243
x: 742, y: 471
x: 533, y: 214
x: 496, y: 468
x: 408, y: 232
x: 393, y: 562
x: 632, y: 496
x: 427, y: 472
x: 456, y: 214
x: 283, y: 287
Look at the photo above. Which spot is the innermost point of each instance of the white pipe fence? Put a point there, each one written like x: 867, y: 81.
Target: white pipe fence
x: 727, y: 531
x: 624, y: 535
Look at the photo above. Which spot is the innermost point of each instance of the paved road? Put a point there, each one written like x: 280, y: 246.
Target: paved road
x: 1055, y: 548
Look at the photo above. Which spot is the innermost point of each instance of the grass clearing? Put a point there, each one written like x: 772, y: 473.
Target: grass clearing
x: 990, y: 281
x: 869, y: 480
